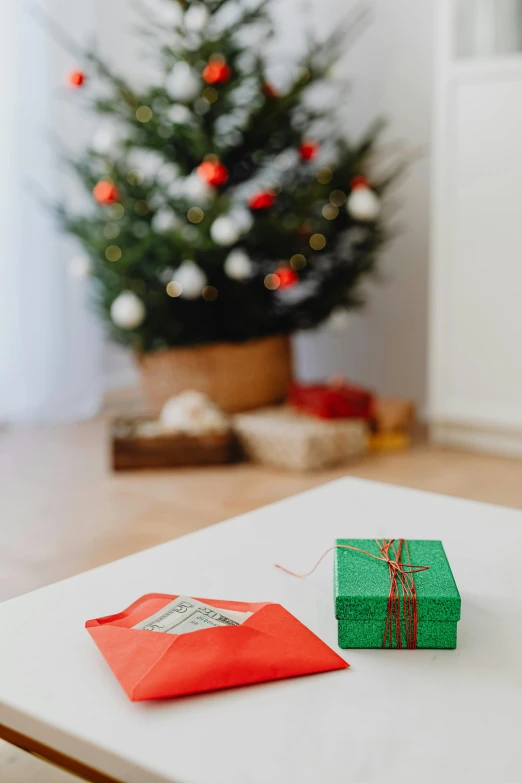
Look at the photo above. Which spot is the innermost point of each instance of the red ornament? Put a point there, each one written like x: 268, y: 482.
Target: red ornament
x: 76, y: 79
x: 287, y: 276
x: 269, y: 91
x: 106, y: 192
x: 213, y: 172
x: 359, y: 182
x: 308, y: 150
x: 263, y: 200
x: 216, y: 72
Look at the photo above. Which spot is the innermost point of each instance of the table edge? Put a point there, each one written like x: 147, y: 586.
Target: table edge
x: 54, y: 757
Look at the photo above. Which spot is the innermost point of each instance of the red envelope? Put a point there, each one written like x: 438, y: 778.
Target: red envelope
x: 269, y: 645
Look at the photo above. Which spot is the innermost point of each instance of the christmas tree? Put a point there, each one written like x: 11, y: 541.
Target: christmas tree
x: 224, y: 207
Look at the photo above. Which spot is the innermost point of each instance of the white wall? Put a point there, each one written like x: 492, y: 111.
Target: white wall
x: 385, y: 345
x: 391, y: 67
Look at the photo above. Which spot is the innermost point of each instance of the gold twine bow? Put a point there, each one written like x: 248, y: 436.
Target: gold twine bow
x: 402, y: 589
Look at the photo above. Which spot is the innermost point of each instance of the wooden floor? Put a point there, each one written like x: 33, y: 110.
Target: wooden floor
x: 63, y: 511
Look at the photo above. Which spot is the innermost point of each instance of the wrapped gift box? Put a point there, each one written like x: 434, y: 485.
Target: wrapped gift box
x: 283, y: 438
x: 394, y: 415
x: 362, y: 587
x: 332, y: 400
x: 382, y: 442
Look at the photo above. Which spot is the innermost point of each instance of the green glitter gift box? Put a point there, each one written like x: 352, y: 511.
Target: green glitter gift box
x: 423, y: 615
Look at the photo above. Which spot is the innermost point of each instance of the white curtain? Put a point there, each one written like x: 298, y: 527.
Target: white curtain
x: 50, y: 344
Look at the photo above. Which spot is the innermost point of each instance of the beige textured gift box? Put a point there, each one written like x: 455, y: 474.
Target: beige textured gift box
x: 282, y: 438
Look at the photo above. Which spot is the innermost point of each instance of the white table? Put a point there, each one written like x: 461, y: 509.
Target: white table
x: 401, y: 716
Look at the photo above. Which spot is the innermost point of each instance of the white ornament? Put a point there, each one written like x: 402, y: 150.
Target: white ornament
x: 238, y: 265
x: 80, y: 267
x: 191, y: 278
x: 243, y: 217
x: 148, y: 162
x: 225, y: 231
x: 127, y: 311
x: 339, y: 320
x: 179, y: 114
x: 176, y: 188
x: 363, y: 204
x: 286, y: 160
x: 164, y: 220
x: 183, y: 84
x: 196, y: 17
x: 225, y: 123
x: 168, y: 173
x: 106, y: 138
x: 197, y: 189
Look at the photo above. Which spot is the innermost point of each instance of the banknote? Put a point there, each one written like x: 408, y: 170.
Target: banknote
x: 185, y: 614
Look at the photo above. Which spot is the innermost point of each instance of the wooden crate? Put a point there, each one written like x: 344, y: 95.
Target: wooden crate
x: 131, y: 450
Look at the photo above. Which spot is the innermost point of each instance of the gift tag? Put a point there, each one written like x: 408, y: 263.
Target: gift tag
x: 184, y: 615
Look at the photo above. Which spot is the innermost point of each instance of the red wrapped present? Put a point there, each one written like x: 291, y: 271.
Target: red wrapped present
x: 334, y: 400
